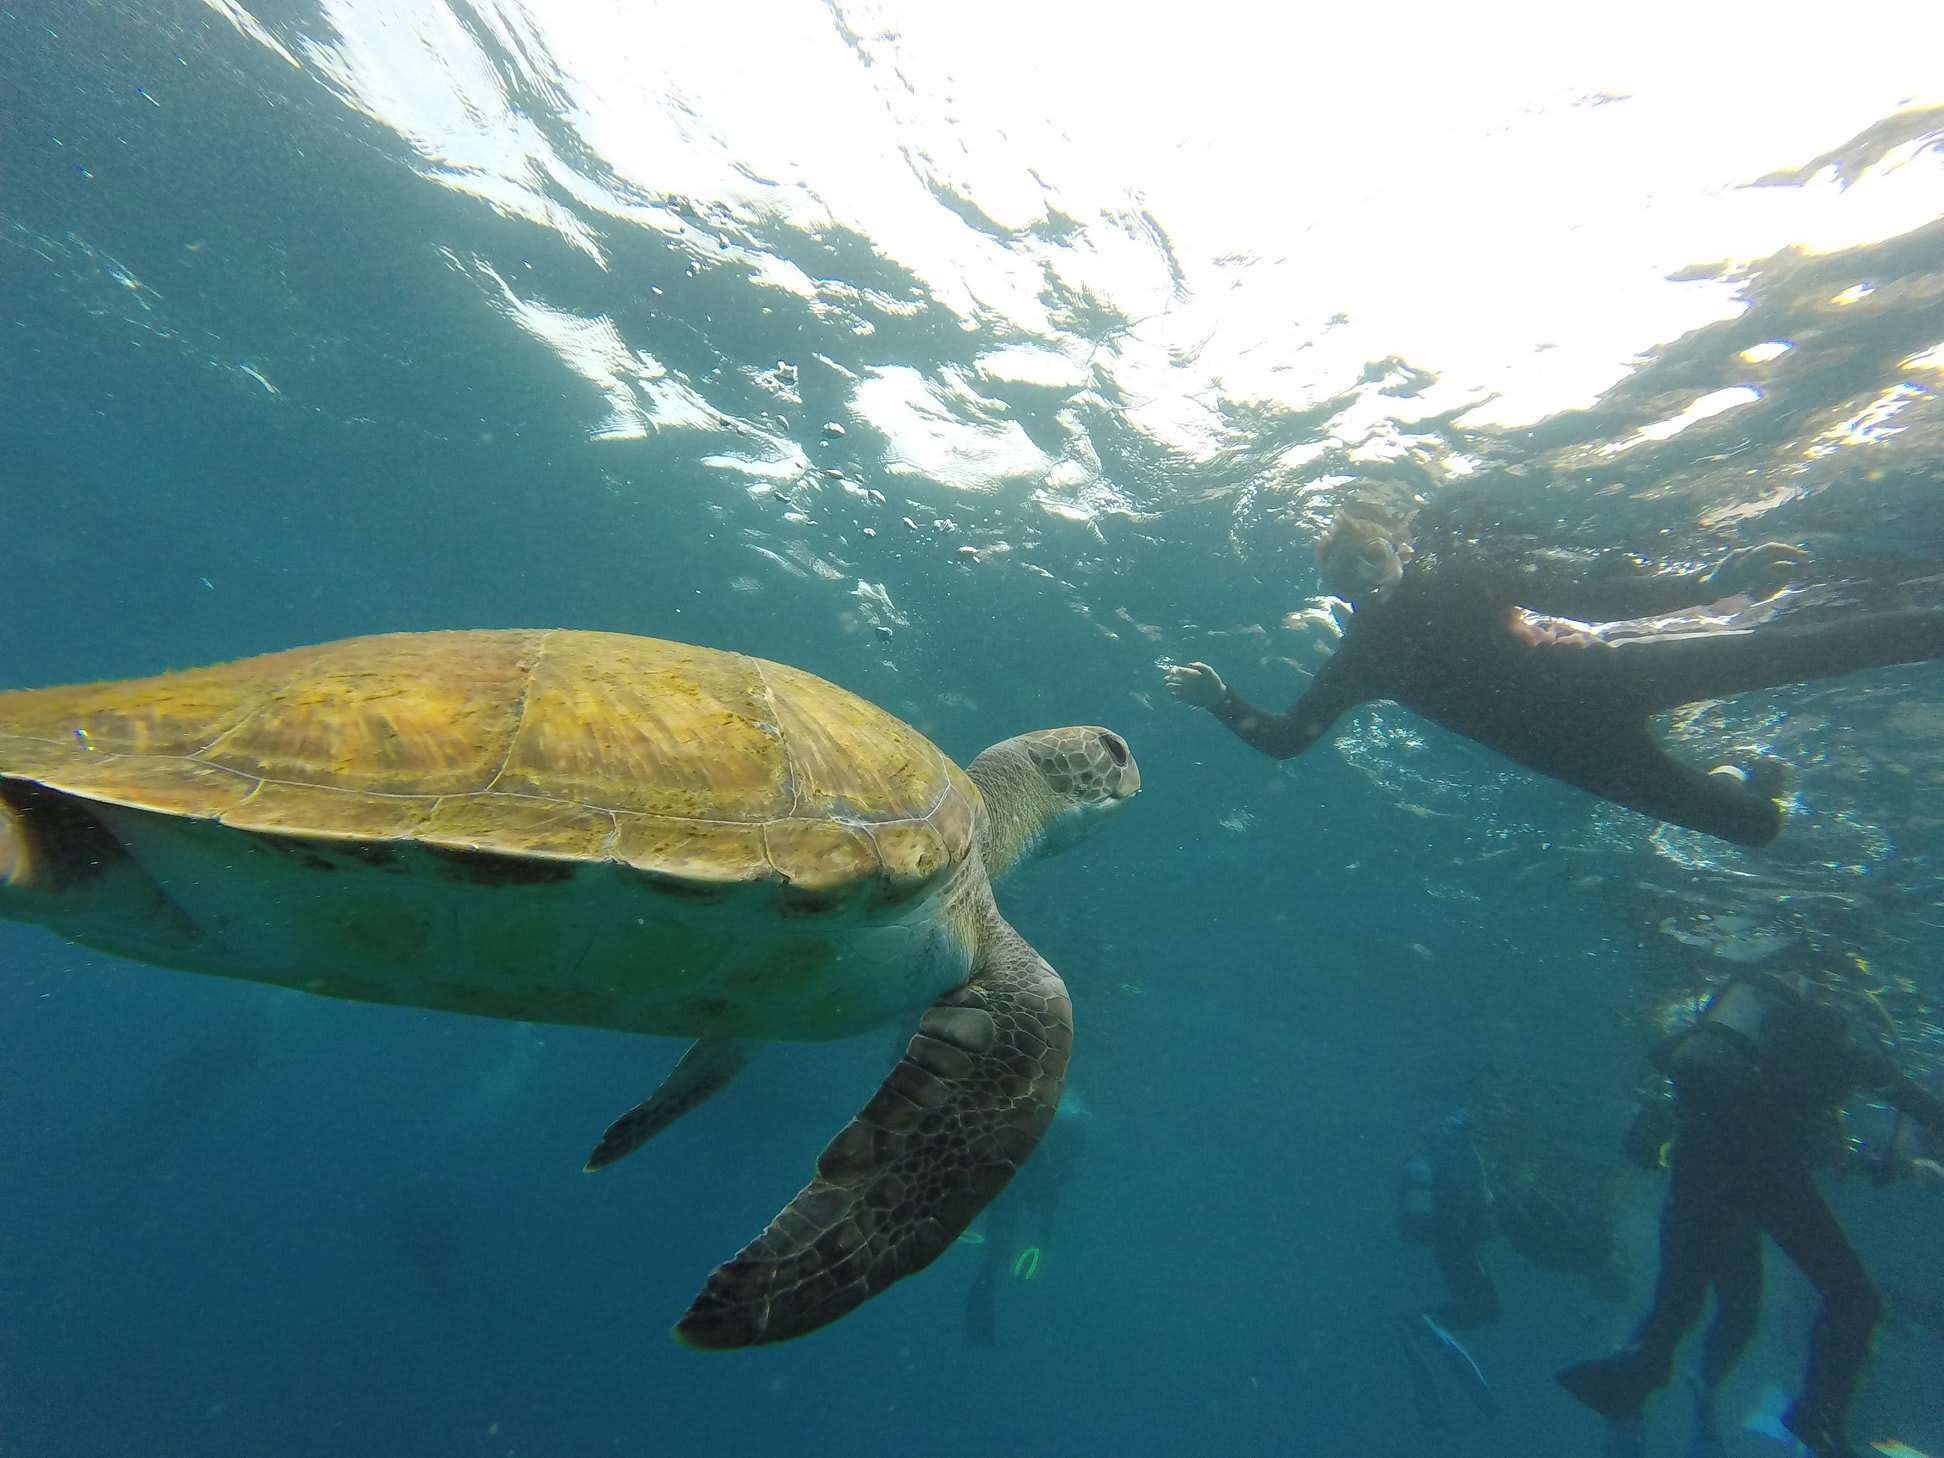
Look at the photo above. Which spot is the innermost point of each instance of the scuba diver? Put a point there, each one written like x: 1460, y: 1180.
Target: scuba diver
x: 1876, y: 1142
x: 1445, y: 1205
x: 1557, y: 661
x: 1035, y: 1195
x: 1757, y: 1084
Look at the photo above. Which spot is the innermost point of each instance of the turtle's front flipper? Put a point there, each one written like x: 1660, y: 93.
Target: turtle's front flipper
x: 958, y: 1115
x: 705, y: 1070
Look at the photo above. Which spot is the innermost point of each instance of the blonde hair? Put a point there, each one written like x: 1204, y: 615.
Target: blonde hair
x: 1359, y: 524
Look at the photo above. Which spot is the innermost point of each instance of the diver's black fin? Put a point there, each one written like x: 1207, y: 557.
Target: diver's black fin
x: 1462, y: 1366
x: 1425, y: 1397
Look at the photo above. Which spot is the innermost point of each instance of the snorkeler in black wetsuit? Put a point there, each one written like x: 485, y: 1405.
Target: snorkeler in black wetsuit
x: 1560, y: 670
x: 1757, y: 1085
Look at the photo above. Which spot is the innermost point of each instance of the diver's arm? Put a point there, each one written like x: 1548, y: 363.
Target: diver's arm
x: 1873, y: 1071
x: 1917, y: 1101
x: 1335, y: 690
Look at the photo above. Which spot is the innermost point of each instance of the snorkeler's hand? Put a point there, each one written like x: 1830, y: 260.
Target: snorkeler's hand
x: 1195, y: 683
x: 1763, y: 566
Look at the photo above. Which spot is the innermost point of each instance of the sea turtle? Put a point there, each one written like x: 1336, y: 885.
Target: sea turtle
x: 607, y: 831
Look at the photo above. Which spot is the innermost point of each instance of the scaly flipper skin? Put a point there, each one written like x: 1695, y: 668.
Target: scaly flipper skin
x: 705, y: 1071
x: 950, y: 1126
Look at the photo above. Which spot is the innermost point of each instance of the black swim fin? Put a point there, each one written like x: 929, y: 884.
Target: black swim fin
x: 1615, y: 1386
x: 1818, y: 1430
x: 1425, y: 1396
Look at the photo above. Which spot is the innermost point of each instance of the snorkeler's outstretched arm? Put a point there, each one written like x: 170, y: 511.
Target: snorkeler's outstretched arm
x: 1615, y: 585
x: 1336, y: 688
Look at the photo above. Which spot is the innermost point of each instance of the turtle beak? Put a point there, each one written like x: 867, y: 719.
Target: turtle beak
x: 1124, y: 782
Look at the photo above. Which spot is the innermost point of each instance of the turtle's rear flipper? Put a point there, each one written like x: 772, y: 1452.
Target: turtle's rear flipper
x: 952, y: 1123
x: 705, y: 1070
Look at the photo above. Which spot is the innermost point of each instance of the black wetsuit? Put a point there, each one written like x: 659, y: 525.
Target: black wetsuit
x: 1560, y: 672
x: 1755, y: 1113
x: 1474, y: 1297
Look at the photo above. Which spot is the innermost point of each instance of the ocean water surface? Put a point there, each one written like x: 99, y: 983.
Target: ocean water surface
x: 982, y: 360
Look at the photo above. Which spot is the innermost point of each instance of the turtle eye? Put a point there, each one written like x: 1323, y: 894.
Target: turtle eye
x: 1116, y: 748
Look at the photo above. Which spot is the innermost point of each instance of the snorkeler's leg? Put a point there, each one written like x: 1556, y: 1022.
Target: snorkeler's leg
x: 1801, y: 1223
x: 1636, y: 771
x: 1668, y: 672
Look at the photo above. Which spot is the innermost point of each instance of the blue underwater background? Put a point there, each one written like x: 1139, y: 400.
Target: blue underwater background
x: 328, y: 319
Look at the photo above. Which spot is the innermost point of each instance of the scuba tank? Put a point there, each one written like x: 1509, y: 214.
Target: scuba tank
x: 1442, y: 1192
x: 1724, y: 1054
x: 1771, y: 1057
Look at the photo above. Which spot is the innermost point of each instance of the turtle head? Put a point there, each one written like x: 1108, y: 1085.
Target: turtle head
x: 1047, y: 789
